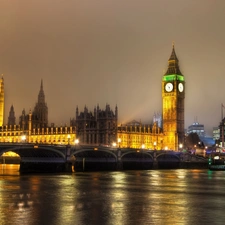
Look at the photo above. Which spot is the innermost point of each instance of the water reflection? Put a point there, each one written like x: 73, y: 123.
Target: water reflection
x: 128, y: 197
x: 9, y: 169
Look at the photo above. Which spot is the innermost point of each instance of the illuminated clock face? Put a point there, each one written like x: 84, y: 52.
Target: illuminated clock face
x: 169, y: 87
x: 180, y: 87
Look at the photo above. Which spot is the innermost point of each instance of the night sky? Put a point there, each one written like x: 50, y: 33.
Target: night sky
x: 91, y: 52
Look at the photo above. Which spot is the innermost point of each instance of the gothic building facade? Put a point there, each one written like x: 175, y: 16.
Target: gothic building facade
x: 98, y: 127
x: 142, y: 136
x: 166, y: 132
x: 173, y: 93
x: 33, y: 127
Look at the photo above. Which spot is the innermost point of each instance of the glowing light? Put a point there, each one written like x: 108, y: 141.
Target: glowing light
x: 10, y: 154
x: 23, y: 137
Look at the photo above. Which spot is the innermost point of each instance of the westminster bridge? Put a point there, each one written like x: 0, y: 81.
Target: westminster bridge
x: 67, y: 158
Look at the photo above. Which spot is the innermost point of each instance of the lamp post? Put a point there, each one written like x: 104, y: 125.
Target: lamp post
x: 23, y: 138
x: 73, y: 158
x: 76, y: 142
x: 154, y: 145
x: 181, y: 146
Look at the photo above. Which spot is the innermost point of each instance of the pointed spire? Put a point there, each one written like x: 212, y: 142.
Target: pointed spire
x: 173, y: 63
x: 173, y: 54
x: 41, y: 95
x: 12, y: 108
x: 41, y: 84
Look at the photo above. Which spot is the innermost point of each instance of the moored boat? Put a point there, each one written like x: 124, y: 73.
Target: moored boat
x: 216, y: 164
x: 217, y: 167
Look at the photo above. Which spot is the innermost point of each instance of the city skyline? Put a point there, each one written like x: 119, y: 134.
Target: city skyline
x: 112, y: 53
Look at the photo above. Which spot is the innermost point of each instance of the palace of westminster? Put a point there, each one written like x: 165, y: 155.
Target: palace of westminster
x: 100, y: 127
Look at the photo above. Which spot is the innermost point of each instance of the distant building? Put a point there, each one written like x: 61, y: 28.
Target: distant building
x: 196, y: 128
x: 222, y: 132
x: 216, y: 134
x: 200, y: 130
x: 157, y: 118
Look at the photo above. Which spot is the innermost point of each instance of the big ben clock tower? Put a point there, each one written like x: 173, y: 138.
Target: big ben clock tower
x: 173, y: 93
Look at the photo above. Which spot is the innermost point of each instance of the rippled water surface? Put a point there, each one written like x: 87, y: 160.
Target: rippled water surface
x: 127, y: 197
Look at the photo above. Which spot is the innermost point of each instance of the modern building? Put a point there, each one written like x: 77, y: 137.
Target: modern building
x: 196, y: 128
x: 216, y: 134
x: 222, y: 133
x: 199, y: 129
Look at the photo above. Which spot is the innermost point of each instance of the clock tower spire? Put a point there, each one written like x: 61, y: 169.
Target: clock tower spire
x: 173, y: 94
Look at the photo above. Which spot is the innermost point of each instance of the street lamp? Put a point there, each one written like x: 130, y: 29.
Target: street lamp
x: 180, y: 146
x: 76, y: 141
x: 205, y: 151
x: 154, y: 145
x: 143, y: 146
x: 23, y: 138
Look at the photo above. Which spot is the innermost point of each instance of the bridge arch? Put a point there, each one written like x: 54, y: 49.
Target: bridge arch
x: 168, y: 155
x: 29, y: 151
x: 133, y: 160
x: 89, y: 159
x: 168, y: 160
x: 137, y: 153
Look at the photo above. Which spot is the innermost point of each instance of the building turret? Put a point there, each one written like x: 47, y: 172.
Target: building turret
x: 40, y: 113
x: 116, y: 112
x: 77, y: 112
x: 173, y: 64
x: 11, y: 118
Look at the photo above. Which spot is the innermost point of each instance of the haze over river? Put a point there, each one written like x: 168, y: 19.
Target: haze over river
x: 112, y: 198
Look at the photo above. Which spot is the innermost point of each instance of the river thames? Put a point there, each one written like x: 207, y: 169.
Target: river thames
x: 112, y: 198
